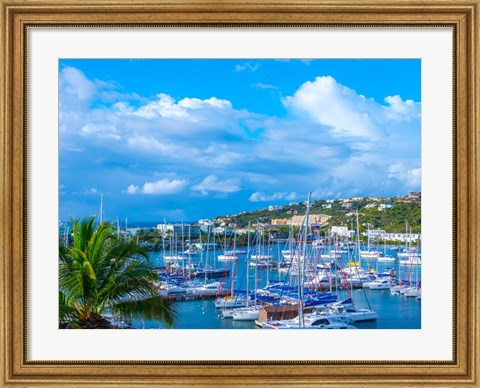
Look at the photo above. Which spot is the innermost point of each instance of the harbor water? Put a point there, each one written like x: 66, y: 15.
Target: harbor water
x: 393, y: 311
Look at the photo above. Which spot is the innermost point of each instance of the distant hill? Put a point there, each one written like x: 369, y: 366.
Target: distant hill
x: 389, y: 214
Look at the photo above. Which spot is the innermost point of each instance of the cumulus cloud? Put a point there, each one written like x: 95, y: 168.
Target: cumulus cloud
x: 399, y: 109
x: 75, y: 82
x: 212, y: 183
x: 187, y: 109
x: 347, y: 113
x: 262, y: 197
x: 160, y: 187
x: 410, y: 177
x: 329, y: 139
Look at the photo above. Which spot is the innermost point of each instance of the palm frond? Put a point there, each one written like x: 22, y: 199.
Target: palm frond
x: 151, y: 308
x: 99, y: 272
x: 67, y: 309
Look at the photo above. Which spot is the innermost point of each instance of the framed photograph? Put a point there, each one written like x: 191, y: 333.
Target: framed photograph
x: 278, y: 193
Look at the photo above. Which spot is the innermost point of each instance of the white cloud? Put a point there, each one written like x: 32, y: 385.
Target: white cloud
x: 262, y: 197
x: 247, y: 66
x: 264, y: 179
x: 162, y: 147
x: 74, y: 82
x: 330, y: 140
x: 91, y: 191
x: 411, y: 177
x: 291, y: 196
x: 327, y: 102
x: 196, y: 103
x: 160, y: 187
x: 70, y: 147
x: 164, y: 106
x: 399, y: 109
x: 211, y: 183
x: 260, y: 85
x: 106, y: 131
x: 132, y: 189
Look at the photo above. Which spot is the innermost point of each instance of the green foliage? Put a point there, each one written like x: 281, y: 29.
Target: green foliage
x: 394, y: 219
x: 99, y: 273
x: 391, y: 219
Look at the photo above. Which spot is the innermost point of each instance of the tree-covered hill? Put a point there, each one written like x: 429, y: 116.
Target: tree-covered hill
x: 389, y: 214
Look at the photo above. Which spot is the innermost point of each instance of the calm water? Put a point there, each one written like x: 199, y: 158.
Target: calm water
x: 394, y: 311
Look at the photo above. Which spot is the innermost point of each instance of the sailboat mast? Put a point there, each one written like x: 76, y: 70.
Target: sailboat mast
x: 246, y: 259
x: 257, y: 252
x: 301, y: 277
x: 183, y: 250
x: 358, y: 241
x: 207, y: 252
x: 189, y: 247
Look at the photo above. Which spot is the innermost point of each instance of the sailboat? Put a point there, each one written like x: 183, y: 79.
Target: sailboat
x: 227, y: 254
x: 208, y: 271
x: 248, y: 313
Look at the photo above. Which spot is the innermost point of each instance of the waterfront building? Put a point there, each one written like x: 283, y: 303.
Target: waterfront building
x: 206, y: 222
x: 313, y: 219
x: 415, y: 195
x: 281, y: 221
x: 300, y: 220
x: 402, y: 237
x: 271, y: 208
x: 180, y: 229
x: 341, y: 231
x: 375, y: 234
x: 384, y: 206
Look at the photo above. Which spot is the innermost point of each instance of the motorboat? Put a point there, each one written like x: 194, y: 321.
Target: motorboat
x: 210, y: 288
x: 383, y: 283
x: 310, y: 322
x: 411, y: 261
x: 230, y: 302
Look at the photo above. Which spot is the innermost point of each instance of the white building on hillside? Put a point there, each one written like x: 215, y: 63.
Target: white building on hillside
x: 180, y: 229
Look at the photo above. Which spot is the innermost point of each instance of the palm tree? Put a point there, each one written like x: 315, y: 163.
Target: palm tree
x: 101, y: 273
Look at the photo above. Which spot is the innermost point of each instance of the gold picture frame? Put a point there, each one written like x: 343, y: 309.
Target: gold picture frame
x: 19, y: 15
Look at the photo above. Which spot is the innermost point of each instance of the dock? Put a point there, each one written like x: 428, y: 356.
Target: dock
x: 195, y: 296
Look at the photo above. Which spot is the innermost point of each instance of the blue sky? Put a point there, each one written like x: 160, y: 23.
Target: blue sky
x: 190, y: 139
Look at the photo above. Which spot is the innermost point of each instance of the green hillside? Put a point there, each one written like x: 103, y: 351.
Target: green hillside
x: 389, y: 214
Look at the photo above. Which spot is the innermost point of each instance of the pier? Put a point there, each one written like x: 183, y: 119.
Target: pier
x: 195, y: 296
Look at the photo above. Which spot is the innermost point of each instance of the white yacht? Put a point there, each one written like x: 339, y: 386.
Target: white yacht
x: 210, y: 288
x: 230, y: 302
x: 246, y: 313
x: 227, y: 257
x: 383, y: 283
x: 396, y: 289
x: 412, y: 292
x: 412, y: 261
x: 311, y: 322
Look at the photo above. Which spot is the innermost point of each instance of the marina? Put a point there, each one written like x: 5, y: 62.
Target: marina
x: 257, y: 279
x: 258, y: 213
x: 389, y: 290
